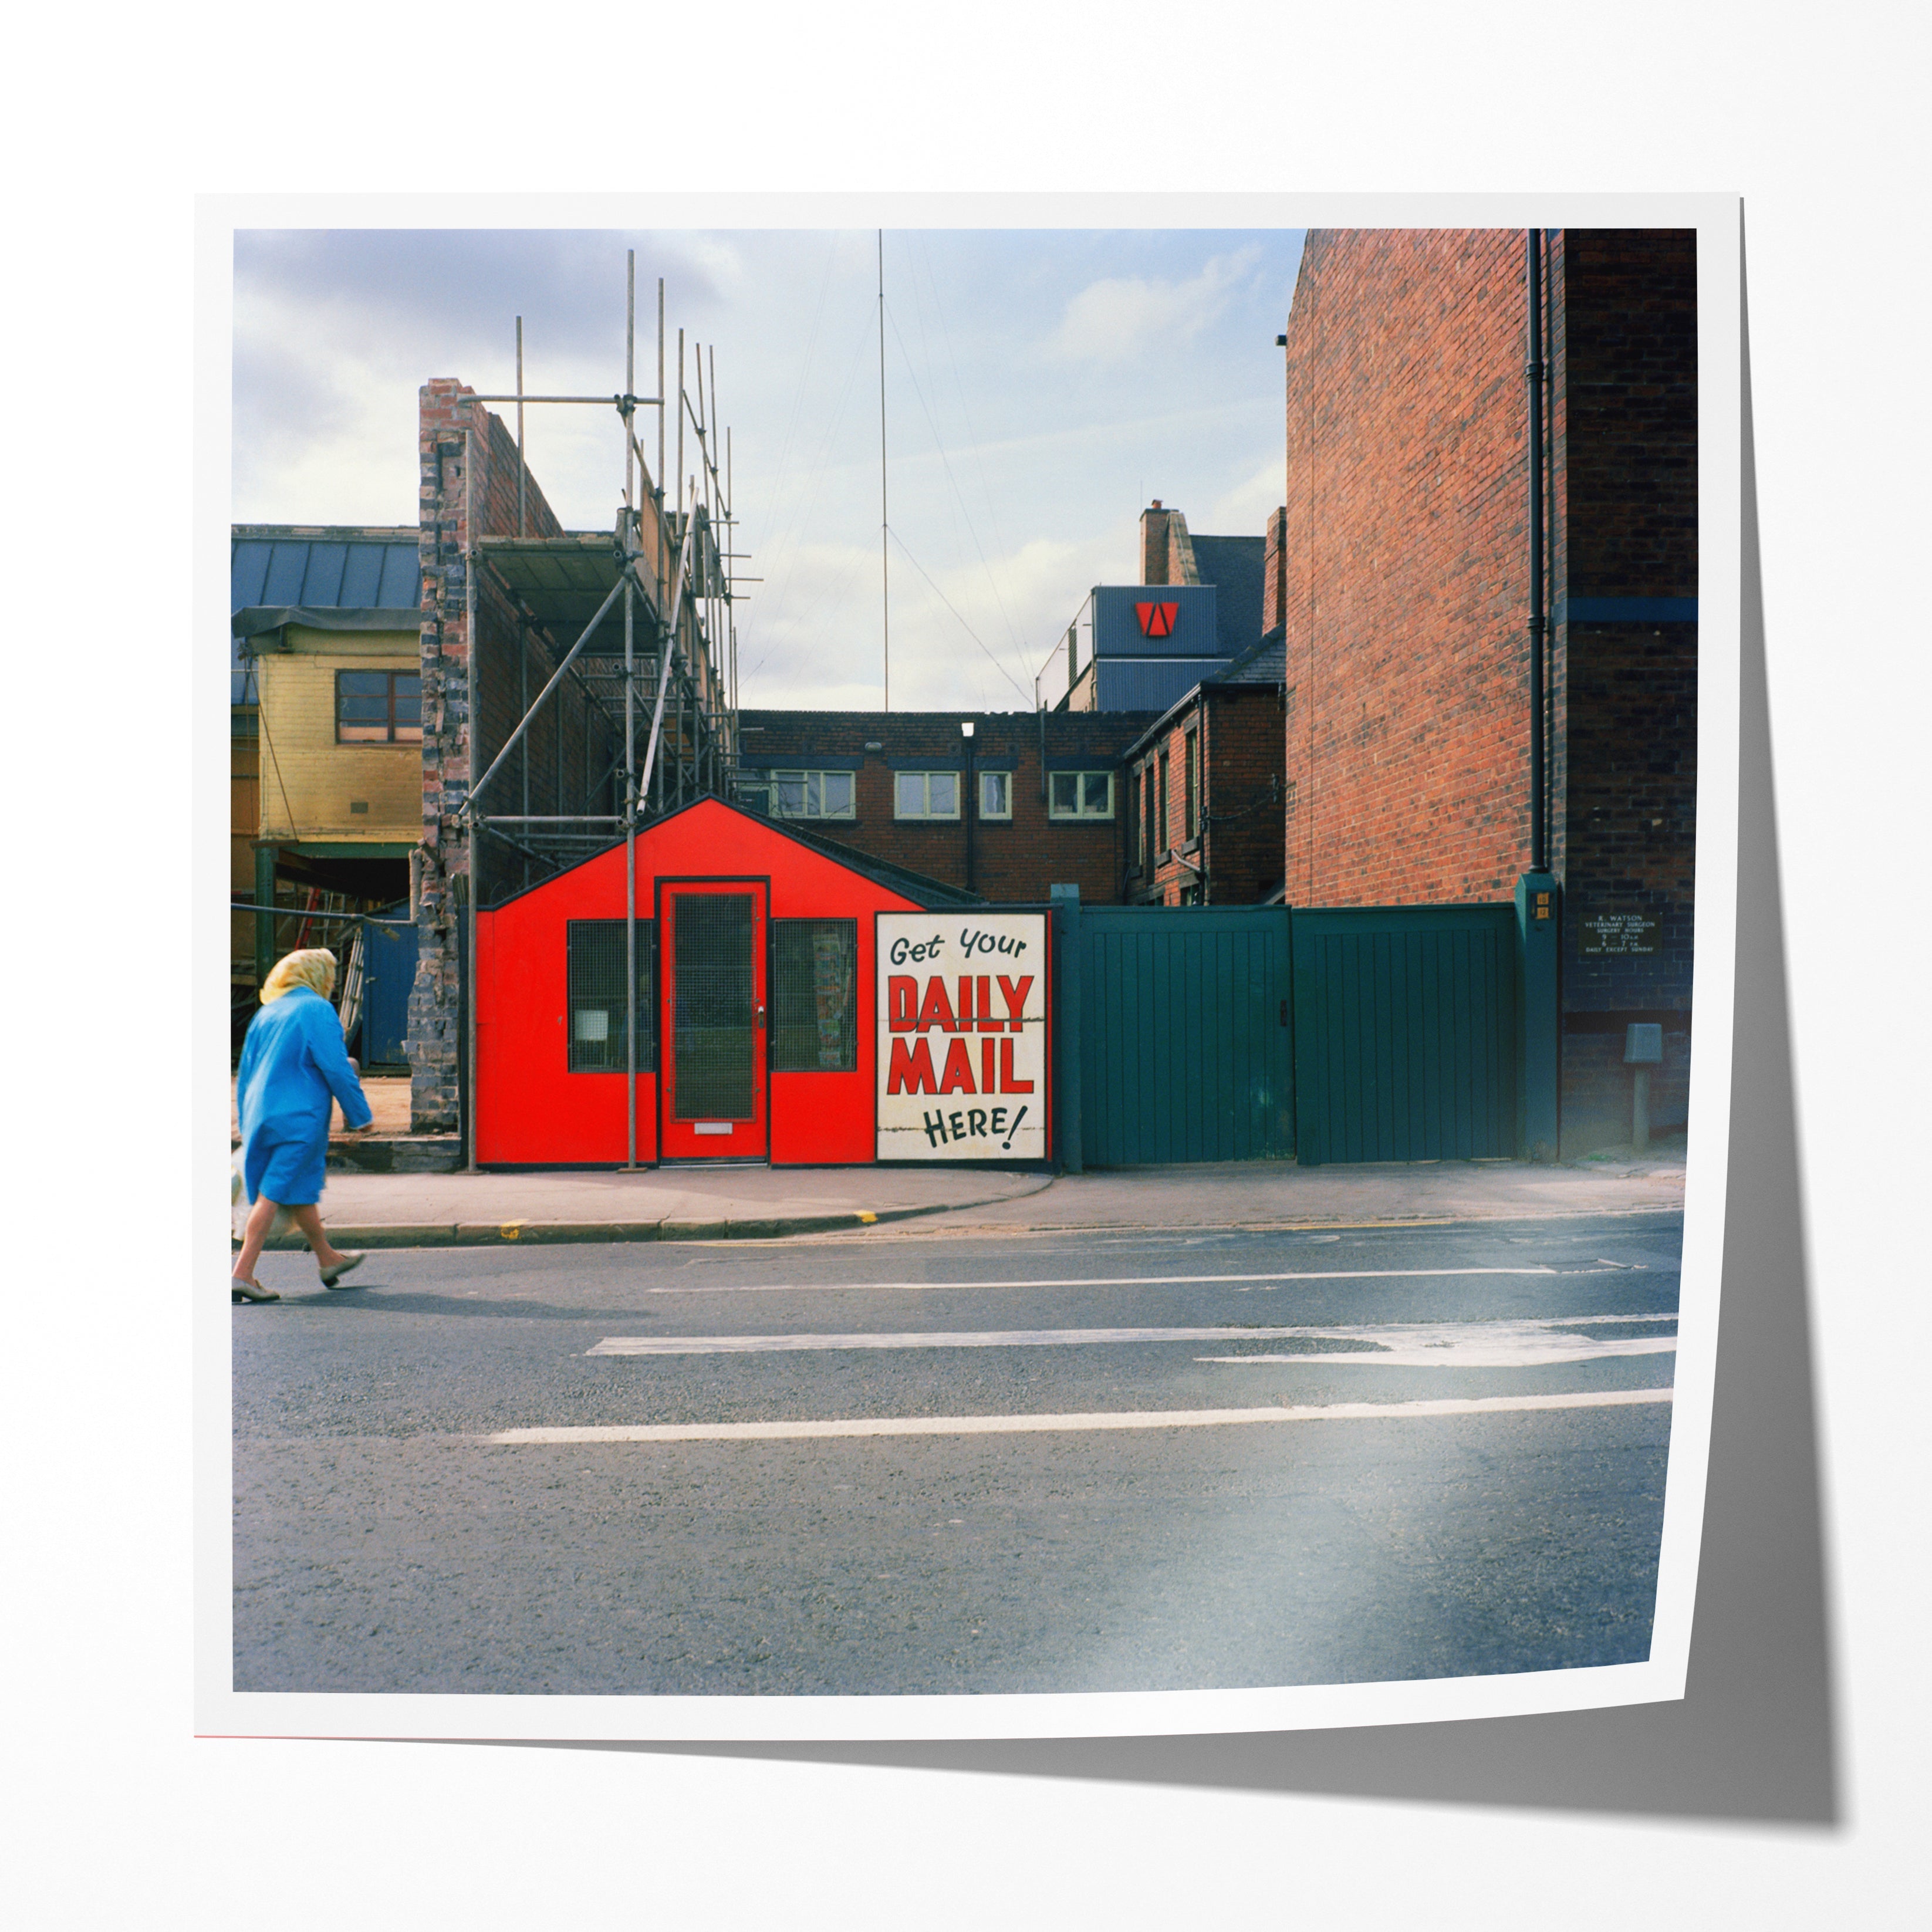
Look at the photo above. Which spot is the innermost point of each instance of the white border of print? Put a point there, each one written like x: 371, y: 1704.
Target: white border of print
x: 221, y: 1711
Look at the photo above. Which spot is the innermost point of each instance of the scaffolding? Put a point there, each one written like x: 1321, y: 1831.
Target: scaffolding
x: 641, y: 621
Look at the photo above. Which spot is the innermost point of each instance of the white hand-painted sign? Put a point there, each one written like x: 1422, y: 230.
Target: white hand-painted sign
x: 962, y: 1036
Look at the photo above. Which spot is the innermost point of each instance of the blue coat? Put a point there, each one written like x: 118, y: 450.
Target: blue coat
x: 293, y: 1063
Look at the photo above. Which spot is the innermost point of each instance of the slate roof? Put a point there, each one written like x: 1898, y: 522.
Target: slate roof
x: 1265, y: 662
x: 1235, y: 566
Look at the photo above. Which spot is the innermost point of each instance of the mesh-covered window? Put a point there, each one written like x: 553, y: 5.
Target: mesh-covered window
x: 815, y: 996
x: 715, y: 1038
x: 595, y: 975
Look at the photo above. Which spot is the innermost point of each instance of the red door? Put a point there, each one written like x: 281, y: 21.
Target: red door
x: 712, y: 994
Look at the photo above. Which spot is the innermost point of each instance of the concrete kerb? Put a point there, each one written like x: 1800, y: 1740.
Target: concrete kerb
x: 542, y: 1234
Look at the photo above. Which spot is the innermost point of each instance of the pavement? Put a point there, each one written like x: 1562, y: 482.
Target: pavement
x: 737, y: 1203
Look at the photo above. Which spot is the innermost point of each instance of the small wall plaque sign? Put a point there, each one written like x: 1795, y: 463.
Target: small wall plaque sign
x: 1615, y: 935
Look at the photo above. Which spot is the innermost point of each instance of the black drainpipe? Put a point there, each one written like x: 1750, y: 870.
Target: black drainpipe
x: 968, y: 803
x: 1533, y: 369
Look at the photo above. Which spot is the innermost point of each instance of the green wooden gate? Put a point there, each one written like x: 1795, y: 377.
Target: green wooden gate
x: 1184, y: 1029
x: 1405, y: 1024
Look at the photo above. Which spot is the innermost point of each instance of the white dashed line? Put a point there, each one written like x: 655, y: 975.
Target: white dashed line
x: 1446, y: 1344
x: 1020, y: 1425
x: 1134, y: 1280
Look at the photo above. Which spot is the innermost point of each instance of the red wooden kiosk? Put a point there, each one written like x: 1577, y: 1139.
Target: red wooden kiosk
x: 754, y: 954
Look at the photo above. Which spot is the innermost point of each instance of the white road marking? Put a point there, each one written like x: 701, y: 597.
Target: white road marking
x: 1136, y: 1280
x: 1395, y: 1344
x: 1472, y: 1345
x: 1022, y: 1425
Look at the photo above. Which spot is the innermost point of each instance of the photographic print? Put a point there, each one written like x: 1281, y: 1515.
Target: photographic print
x: 963, y: 955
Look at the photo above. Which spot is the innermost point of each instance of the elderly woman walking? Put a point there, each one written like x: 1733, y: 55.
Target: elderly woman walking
x: 293, y: 1063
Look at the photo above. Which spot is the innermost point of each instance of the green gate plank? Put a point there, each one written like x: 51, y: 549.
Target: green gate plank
x: 1404, y: 1043
x: 1182, y: 1053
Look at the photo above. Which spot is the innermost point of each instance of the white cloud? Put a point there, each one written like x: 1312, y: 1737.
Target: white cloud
x: 1121, y: 317
x: 1243, y: 510
x: 1015, y: 474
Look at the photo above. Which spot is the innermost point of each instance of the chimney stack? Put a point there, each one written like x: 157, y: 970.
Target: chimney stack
x: 1153, y: 543
x: 1274, y: 571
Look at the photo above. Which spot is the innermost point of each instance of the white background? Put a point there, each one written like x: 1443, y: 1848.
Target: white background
x: 118, y: 1815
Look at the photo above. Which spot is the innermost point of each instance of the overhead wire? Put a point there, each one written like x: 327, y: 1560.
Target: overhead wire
x: 967, y: 628
x: 785, y: 548
x: 973, y: 441
x: 958, y: 495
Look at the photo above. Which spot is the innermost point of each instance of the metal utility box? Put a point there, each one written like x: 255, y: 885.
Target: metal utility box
x: 1643, y: 1044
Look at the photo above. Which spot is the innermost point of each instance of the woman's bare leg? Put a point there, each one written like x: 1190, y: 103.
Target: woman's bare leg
x: 310, y: 1222
x: 261, y: 1217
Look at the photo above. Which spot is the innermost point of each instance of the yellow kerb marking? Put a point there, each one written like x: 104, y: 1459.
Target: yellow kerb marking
x: 512, y: 1231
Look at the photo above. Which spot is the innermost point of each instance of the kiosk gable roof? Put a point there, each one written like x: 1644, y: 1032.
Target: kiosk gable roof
x: 740, y: 841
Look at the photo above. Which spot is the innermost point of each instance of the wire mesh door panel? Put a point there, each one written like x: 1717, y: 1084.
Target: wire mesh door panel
x: 714, y: 1022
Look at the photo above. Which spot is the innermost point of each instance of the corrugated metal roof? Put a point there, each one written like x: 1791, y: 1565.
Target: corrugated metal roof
x: 561, y: 581
x: 1149, y: 684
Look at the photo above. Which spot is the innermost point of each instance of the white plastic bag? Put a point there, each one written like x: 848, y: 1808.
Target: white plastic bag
x: 237, y: 1207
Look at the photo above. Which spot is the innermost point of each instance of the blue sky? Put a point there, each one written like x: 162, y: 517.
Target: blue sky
x: 1042, y: 386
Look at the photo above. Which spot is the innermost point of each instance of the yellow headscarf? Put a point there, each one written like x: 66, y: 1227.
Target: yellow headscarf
x: 313, y: 967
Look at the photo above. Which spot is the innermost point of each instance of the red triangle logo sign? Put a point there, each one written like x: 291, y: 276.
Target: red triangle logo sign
x: 1156, y: 619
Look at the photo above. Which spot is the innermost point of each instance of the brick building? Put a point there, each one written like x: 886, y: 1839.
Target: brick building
x: 1405, y: 600
x: 1203, y: 791
x: 1204, y: 781
x: 1027, y: 800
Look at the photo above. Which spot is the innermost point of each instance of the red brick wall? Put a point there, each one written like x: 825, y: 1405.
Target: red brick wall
x: 1274, y: 582
x: 1242, y: 755
x: 1013, y: 860
x: 1404, y: 588
x: 1154, y: 544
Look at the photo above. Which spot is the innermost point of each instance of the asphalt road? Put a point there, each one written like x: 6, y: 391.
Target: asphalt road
x: 385, y: 1542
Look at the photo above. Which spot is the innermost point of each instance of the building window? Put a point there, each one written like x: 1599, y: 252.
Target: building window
x: 925, y: 795
x: 812, y: 795
x: 595, y: 1007
x: 1191, y: 808
x: 378, y: 707
x: 1160, y: 810
x: 815, y: 996
x: 996, y: 794
x: 1139, y: 818
x: 1081, y: 795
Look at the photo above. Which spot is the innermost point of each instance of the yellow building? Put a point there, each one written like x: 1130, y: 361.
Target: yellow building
x: 326, y: 629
